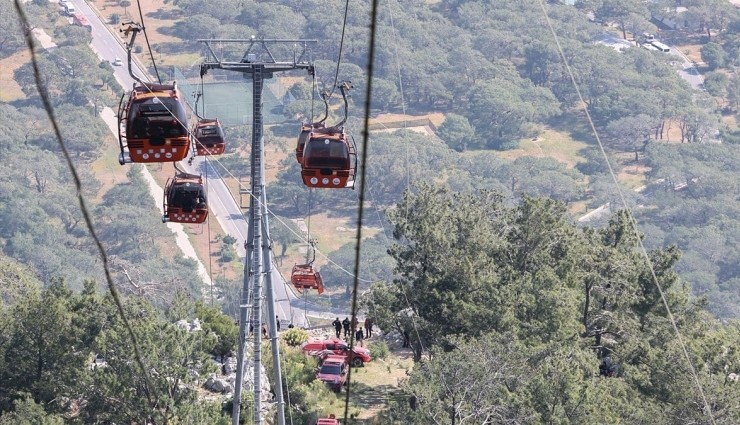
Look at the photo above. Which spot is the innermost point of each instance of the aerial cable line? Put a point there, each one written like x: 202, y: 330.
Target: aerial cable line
x: 150, y: 389
x: 341, y: 47
x: 208, y: 226
x: 258, y: 201
x: 361, y: 209
x: 633, y: 223
x: 148, y: 46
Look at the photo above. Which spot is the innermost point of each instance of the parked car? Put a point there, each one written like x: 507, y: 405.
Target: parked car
x: 357, y: 357
x: 334, y: 373
x: 331, y: 420
x: 315, y: 345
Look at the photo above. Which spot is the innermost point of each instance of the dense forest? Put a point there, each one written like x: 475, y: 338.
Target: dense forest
x: 480, y: 262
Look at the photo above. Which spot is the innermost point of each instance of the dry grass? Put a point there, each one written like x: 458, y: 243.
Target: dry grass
x: 550, y: 143
x: 152, y: 11
x: 730, y: 120
x: 692, y: 51
x: 106, y: 168
x: 633, y: 176
x: 9, y: 89
x: 436, y: 118
x: 374, y: 382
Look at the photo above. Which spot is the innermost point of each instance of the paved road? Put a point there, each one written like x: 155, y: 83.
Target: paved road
x: 221, y: 203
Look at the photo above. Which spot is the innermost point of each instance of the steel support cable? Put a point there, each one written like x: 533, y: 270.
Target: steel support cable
x: 361, y: 209
x: 632, y: 220
x: 403, y: 100
x: 400, y: 287
x: 83, y: 207
x: 308, y: 225
x: 341, y: 47
x: 146, y: 38
x: 250, y: 194
x: 408, y: 160
x: 300, y: 237
x: 208, y: 226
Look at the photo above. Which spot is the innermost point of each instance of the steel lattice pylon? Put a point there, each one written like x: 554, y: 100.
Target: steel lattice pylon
x: 256, y: 60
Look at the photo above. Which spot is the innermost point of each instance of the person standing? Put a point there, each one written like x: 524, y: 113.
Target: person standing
x: 277, y: 320
x: 359, y: 336
x: 345, y: 325
x: 337, y: 327
x: 368, y: 327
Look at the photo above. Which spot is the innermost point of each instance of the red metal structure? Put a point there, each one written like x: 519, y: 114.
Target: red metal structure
x: 209, y: 137
x: 328, y: 157
x: 329, y: 160
x: 304, y: 276
x: 81, y: 20
x: 154, y: 125
x: 185, y: 200
x: 331, y: 420
x: 306, y: 129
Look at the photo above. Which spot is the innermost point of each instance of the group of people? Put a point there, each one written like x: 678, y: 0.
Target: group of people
x: 264, y: 327
x: 361, y: 333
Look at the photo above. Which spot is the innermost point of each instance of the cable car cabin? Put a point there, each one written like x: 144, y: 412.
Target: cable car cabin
x: 306, y: 130
x: 209, y: 137
x: 156, y: 125
x: 185, y: 200
x: 329, y: 160
x: 305, y: 277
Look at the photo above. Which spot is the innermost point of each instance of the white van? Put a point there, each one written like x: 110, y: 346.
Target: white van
x: 69, y: 8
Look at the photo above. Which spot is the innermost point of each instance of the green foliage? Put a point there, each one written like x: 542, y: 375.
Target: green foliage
x: 295, y: 336
x: 222, y: 326
x: 716, y: 83
x: 306, y: 392
x: 27, y: 412
x: 228, y: 254
x: 11, y: 39
x: 457, y: 132
x: 378, y: 349
x: 536, y: 303
x: 38, y: 338
x: 118, y: 390
x: 713, y: 55
x: 477, y: 380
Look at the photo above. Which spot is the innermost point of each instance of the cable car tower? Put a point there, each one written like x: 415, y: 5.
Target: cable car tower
x: 256, y: 58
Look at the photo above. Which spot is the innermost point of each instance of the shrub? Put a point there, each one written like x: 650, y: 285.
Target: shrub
x: 378, y: 349
x: 295, y: 337
x: 221, y: 325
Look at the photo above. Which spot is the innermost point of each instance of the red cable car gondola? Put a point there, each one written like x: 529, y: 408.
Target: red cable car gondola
x: 209, y: 137
x: 185, y: 200
x: 329, y: 158
x: 306, y: 129
x: 304, y: 276
x: 154, y: 125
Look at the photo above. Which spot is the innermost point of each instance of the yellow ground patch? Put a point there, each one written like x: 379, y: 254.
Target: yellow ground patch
x: 550, y: 143
x: 9, y: 89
